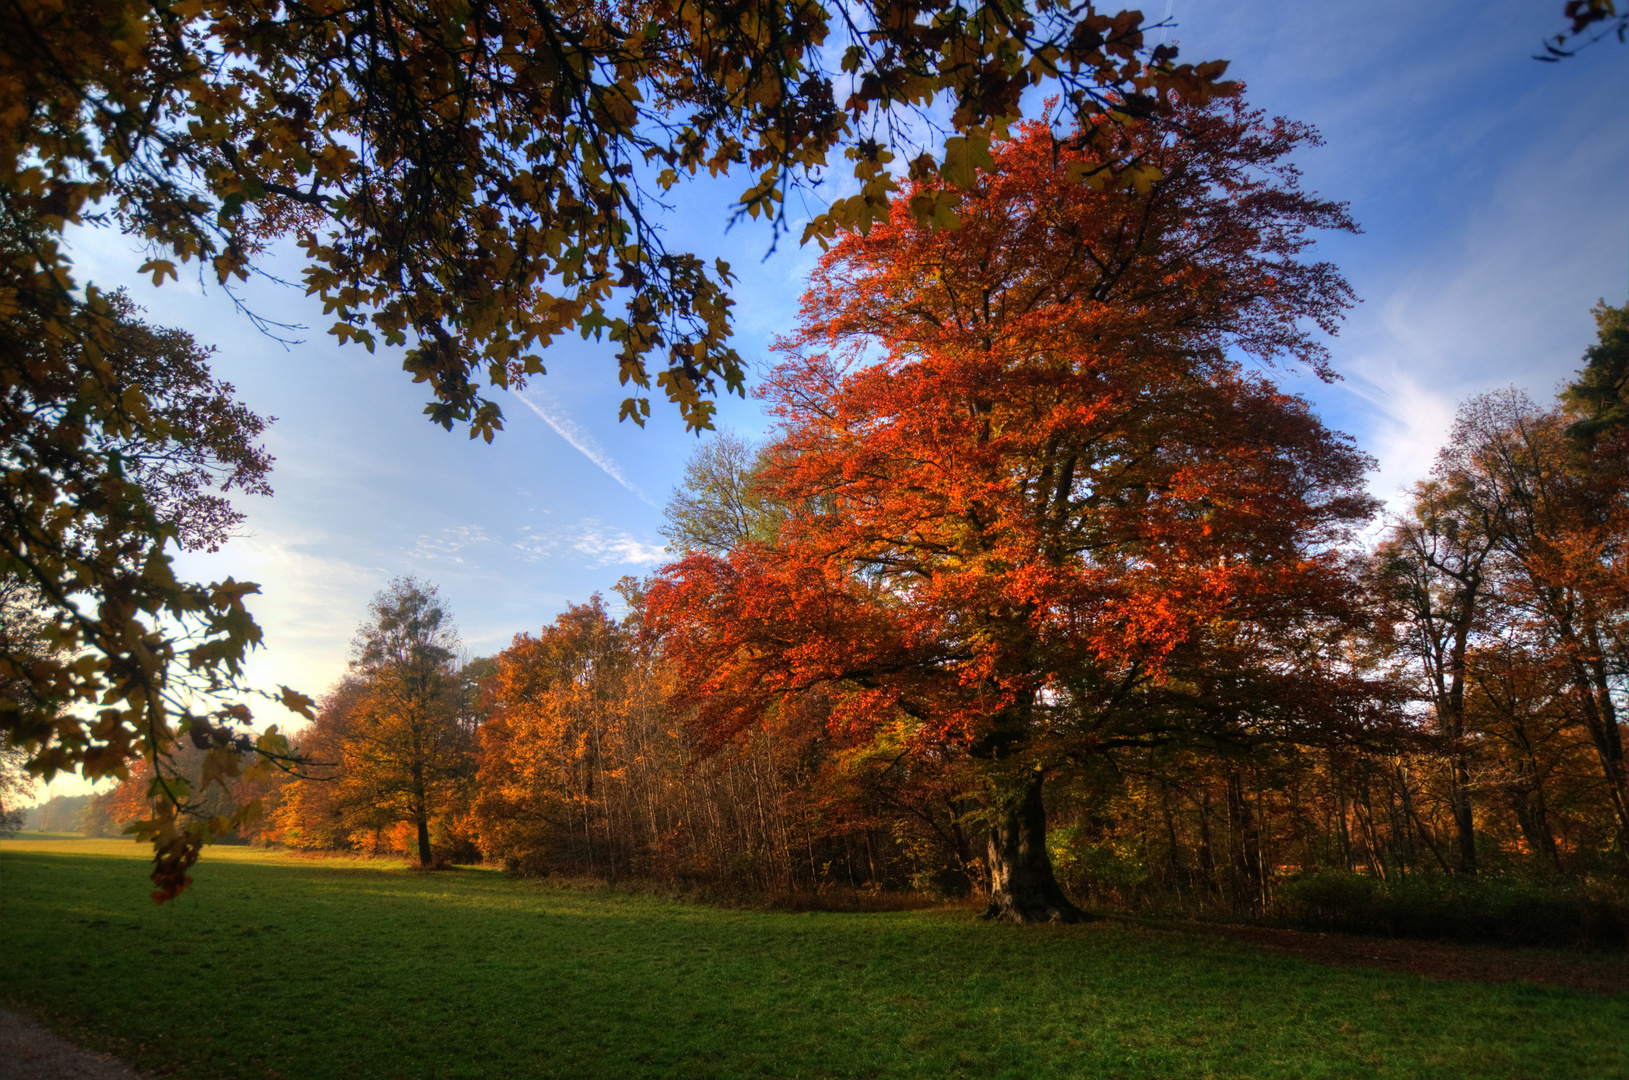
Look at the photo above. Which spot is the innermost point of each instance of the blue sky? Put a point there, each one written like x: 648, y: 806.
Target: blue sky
x: 1491, y: 190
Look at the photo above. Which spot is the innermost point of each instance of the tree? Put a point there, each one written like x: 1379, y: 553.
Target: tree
x: 1600, y: 395
x: 722, y: 502
x: 445, y: 170
x: 117, y: 443
x: 16, y: 787
x: 407, y: 752
x: 1435, y: 573
x: 1042, y: 514
x: 1558, y: 512
x: 562, y: 733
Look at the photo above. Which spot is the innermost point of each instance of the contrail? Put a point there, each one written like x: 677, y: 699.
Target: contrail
x: 584, y: 444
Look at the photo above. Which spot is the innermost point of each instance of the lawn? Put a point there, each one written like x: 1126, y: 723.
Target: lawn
x: 278, y: 966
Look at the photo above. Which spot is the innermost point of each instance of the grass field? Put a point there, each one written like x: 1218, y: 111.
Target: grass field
x: 278, y: 966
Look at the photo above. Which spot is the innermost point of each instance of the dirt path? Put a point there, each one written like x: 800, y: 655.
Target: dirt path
x: 31, y: 1051
x: 1602, y: 973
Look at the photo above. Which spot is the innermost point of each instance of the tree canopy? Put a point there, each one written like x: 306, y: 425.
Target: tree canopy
x: 116, y: 443
x: 466, y: 181
x: 474, y: 180
x: 1041, y: 511
x: 406, y: 750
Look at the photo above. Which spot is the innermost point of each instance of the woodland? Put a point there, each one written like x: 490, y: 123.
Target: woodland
x: 1045, y: 596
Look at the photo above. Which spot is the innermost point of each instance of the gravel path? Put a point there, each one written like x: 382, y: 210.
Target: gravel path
x: 31, y: 1051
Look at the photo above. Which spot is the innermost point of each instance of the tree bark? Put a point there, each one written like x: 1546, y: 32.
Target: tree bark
x: 1249, y: 891
x: 425, y: 857
x: 1022, y: 887
x: 421, y: 816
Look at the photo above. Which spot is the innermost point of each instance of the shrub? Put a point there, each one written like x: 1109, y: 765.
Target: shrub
x: 1500, y: 908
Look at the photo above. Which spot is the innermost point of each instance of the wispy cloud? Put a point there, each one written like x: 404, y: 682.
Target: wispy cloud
x: 600, y: 544
x: 446, y: 545
x: 584, y: 443
x: 613, y: 547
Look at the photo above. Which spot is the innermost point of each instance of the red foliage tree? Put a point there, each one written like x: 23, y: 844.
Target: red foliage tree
x: 1040, y: 511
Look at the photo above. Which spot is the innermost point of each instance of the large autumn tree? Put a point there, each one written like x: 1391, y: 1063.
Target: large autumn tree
x: 469, y: 181
x: 1043, y: 510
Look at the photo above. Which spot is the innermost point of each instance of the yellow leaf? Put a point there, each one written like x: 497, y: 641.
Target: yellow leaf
x: 160, y: 269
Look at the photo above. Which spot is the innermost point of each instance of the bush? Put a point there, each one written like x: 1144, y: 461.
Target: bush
x: 1330, y: 897
x: 1505, y: 909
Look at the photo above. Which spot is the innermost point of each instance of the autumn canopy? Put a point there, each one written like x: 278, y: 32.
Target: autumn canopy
x: 1041, y: 509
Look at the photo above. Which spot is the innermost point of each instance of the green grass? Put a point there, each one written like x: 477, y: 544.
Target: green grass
x: 273, y: 965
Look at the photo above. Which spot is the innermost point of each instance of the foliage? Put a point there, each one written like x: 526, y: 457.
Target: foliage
x: 1600, y: 396
x: 112, y: 812
x: 1590, y: 21
x: 583, y: 770
x: 441, y: 168
x: 118, y: 443
x: 470, y: 974
x: 722, y: 503
x: 444, y: 167
x: 407, y: 748
x: 1041, y: 514
x: 16, y: 787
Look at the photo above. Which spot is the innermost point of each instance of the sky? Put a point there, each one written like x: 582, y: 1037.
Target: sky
x: 1493, y: 193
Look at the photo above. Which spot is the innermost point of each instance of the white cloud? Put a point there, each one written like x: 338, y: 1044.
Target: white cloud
x: 1505, y: 302
x: 602, y: 545
x: 613, y: 547
x: 446, y: 545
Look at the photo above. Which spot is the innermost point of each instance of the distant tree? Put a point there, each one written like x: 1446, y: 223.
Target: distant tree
x: 60, y: 813
x: 561, y: 732
x: 723, y: 502
x: 1600, y: 394
x: 1434, y: 575
x: 1560, y: 515
x: 312, y: 813
x: 408, y: 748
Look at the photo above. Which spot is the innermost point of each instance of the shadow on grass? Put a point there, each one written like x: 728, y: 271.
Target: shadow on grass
x: 309, y: 968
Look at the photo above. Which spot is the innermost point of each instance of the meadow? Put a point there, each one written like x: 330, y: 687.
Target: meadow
x: 278, y: 966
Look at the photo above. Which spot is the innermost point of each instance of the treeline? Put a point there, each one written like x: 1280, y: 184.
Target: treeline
x: 1492, y: 638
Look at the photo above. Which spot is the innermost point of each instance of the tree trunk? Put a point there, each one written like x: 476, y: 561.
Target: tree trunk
x: 1459, y: 802
x: 425, y: 858
x: 421, y: 817
x: 1022, y: 888
x: 1245, y: 840
x: 1207, y: 855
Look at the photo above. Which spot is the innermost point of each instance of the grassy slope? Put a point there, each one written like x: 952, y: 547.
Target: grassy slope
x: 278, y: 966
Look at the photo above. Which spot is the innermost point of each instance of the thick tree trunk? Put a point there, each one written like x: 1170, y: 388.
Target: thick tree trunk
x: 1022, y: 888
x: 425, y: 857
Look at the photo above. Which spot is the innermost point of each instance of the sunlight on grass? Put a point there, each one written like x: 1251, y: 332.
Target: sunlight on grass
x: 276, y: 965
